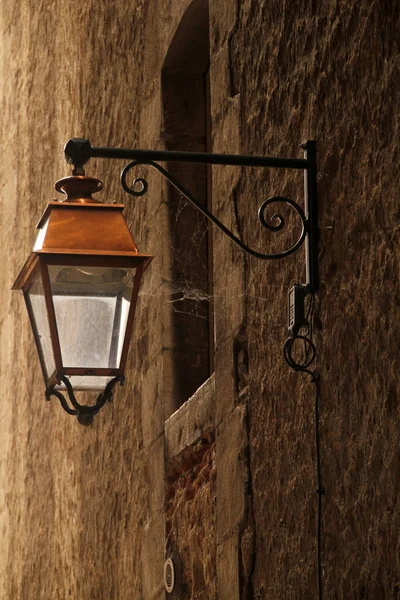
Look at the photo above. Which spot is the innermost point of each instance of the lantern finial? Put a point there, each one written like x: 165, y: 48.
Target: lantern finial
x: 79, y: 188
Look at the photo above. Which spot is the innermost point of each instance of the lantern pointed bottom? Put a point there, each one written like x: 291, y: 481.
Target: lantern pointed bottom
x: 84, y: 413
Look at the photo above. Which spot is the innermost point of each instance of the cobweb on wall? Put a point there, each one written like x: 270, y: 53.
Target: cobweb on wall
x: 185, y: 296
x: 188, y: 289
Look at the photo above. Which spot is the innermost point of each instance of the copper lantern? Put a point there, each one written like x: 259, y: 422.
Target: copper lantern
x: 80, y: 285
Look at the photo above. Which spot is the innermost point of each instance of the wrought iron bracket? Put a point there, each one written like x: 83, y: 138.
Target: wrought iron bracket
x: 78, y: 151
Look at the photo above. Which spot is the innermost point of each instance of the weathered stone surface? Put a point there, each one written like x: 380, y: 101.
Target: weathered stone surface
x: 152, y: 410
x: 220, y: 83
x: 190, y: 519
x: 152, y: 560
x: 323, y: 72
x: 225, y: 381
x: 228, y: 568
x: 231, y: 443
x: 223, y: 21
x: 188, y: 423
x: 82, y: 511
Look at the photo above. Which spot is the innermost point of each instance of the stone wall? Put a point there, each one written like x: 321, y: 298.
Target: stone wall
x: 226, y: 485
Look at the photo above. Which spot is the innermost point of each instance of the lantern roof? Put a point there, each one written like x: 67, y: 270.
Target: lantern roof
x: 82, y: 226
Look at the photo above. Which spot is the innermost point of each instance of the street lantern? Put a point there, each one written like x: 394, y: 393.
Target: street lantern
x: 82, y: 279
x: 80, y: 285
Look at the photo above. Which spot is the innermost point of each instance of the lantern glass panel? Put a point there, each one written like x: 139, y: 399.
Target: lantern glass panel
x: 36, y: 305
x: 91, y: 305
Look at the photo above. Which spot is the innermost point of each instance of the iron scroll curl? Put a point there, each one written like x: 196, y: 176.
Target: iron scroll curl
x: 274, y: 223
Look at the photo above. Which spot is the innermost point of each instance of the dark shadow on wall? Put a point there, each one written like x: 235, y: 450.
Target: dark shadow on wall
x: 186, y: 127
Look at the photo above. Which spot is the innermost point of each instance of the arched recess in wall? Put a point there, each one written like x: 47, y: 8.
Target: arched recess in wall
x: 186, y: 114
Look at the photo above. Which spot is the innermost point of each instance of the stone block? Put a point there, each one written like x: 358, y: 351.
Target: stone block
x: 228, y: 569
x: 229, y: 297
x: 223, y: 18
x: 153, y: 529
x: 151, y: 118
x: 154, y: 475
x: 163, y: 228
x: 152, y: 401
x: 225, y: 395
x: 147, y: 341
x: 188, y: 423
x: 153, y: 559
x: 220, y: 81
x: 231, y: 444
x: 226, y: 139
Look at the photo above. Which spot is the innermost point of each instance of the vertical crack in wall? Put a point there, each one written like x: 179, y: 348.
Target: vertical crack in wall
x: 246, y: 545
x: 241, y: 363
x: 234, y: 85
